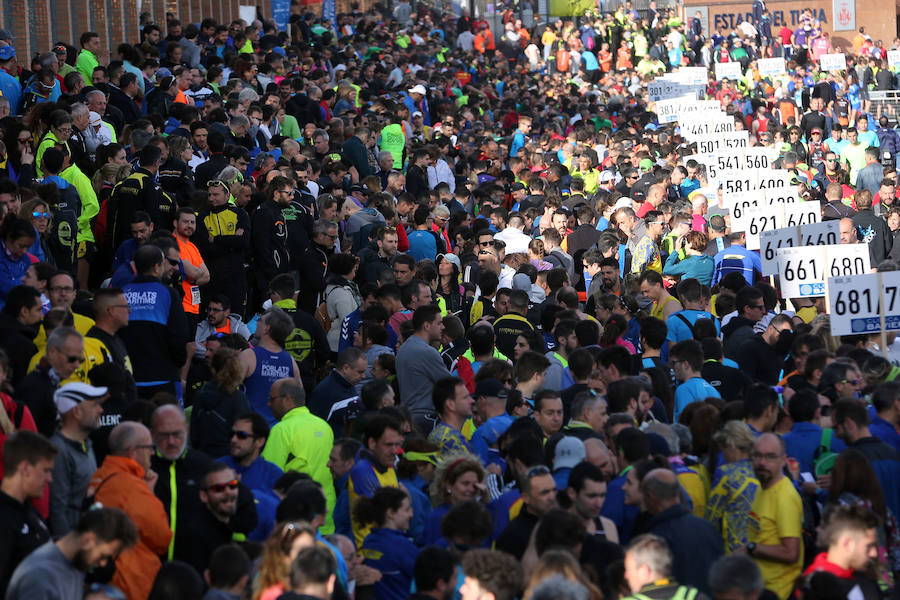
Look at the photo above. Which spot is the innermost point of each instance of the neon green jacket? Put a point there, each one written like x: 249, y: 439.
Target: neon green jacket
x: 90, y: 207
x: 302, y: 442
x: 86, y: 64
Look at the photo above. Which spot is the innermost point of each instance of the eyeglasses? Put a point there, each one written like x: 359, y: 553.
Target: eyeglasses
x: 221, y: 487
x: 853, y: 382
x: 41, y: 215
x: 173, y: 262
x: 75, y: 359
x: 213, y: 309
x: 765, y: 457
x: 241, y: 435
x: 757, y: 306
x: 216, y: 183
x: 485, y: 244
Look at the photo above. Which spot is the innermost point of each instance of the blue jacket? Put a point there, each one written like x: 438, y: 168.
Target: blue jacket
x: 695, y: 544
x: 432, y: 533
x: 260, y: 475
x: 393, y: 553
x: 886, y: 463
x: 421, y: 505
x: 803, y: 440
x: 12, y: 271
x: 615, y: 509
x: 12, y: 90
x: 885, y: 432
x: 157, y: 331
x: 736, y: 258
x: 697, y: 267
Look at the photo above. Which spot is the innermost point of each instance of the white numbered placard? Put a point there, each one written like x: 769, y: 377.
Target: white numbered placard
x: 798, y: 214
x: 729, y: 71
x: 769, y: 67
x: 704, y: 126
x: 804, y: 270
x: 769, y: 242
x: 722, y: 142
x: 752, y: 221
x: 832, y: 62
x: 756, y: 157
x: 893, y: 57
x: 855, y: 303
x: 667, y: 110
x: 821, y: 234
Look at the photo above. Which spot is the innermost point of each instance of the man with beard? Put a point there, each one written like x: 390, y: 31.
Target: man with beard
x: 57, y: 569
x: 774, y: 530
x: 213, y: 525
x: 186, y: 468
x: 761, y: 355
x: 248, y: 436
x: 609, y: 277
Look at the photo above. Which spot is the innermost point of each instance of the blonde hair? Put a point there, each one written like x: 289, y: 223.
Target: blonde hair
x: 450, y: 469
x: 560, y: 563
x: 735, y: 434
x: 273, y: 569
x: 227, y: 369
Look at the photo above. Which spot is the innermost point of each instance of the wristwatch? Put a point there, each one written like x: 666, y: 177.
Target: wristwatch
x: 751, y: 548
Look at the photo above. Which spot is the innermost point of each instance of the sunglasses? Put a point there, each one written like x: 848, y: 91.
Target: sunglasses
x: 173, y: 262
x: 221, y: 487
x: 39, y: 215
x: 75, y: 359
x: 538, y: 470
x: 241, y: 435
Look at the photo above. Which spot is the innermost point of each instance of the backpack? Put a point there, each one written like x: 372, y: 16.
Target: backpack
x: 823, y: 458
x: 321, y: 313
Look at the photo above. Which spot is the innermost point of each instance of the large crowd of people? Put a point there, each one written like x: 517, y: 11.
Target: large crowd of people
x: 407, y: 304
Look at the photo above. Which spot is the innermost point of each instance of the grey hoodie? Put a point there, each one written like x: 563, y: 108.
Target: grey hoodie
x: 204, y: 330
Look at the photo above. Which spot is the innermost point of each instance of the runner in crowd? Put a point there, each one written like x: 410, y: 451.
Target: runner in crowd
x: 410, y: 303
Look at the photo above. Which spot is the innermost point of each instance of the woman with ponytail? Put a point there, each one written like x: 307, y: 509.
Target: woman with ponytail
x: 387, y: 548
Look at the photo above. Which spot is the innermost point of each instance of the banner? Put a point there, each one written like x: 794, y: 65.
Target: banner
x: 770, y: 67
x: 832, y: 62
x: 329, y: 11
x: 844, y: 15
x: 281, y: 13
x: 729, y: 71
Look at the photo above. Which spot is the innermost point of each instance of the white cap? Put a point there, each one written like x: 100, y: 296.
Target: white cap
x: 96, y: 119
x: 341, y: 67
x: 418, y: 113
x: 417, y: 89
x: 72, y: 394
x: 569, y: 452
x: 624, y: 203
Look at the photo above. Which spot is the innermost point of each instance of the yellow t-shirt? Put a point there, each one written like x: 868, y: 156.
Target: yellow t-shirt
x: 83, y: 324
x: 95, y: 353
x: 777, y: 513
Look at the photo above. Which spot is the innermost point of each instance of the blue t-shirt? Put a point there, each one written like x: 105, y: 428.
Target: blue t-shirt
x: 422, y: 245
x: 692, y: 390
x: 678, y: 329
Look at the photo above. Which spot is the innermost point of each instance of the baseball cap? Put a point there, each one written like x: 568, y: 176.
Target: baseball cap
x: 517, y: 186
x: 5, y: 35
x: 7, y: 52
x: 569, y: 452
x: 607, y: 176
x: 418, y: 113
x: 417, y: 89
x: 489, y: 387
x: 341, y: 67
x: 646, y: 165
x: 358, y: 187
x: 624, y: 203
x: 451, y: 258
x: 815, y: 129
x: 96, y: 119
x: 71, y: 395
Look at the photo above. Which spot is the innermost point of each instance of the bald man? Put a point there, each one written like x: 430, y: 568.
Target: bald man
x: 774, y: 528
x: 848, y: 232
x: 695, y: 542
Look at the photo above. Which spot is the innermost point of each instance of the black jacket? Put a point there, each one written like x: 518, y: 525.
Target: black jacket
x: 759, y: 361
x: 138, y: 191
x: 188, y: 471
x: 874, y: 231
x: 270, y: 242
x: 312, y: 277
x: 584, y: 237
x: 131, y: 112
x: 176, y: 180
x: 16, y: 339
x: 21, y: 532
x: 206, y: 172
x: 515, y: 536
x: 212, y: 416
x: 695, y: 544
x: 36, y: 391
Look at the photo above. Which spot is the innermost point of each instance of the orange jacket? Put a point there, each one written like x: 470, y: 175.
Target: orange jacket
x: 124, y: 488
